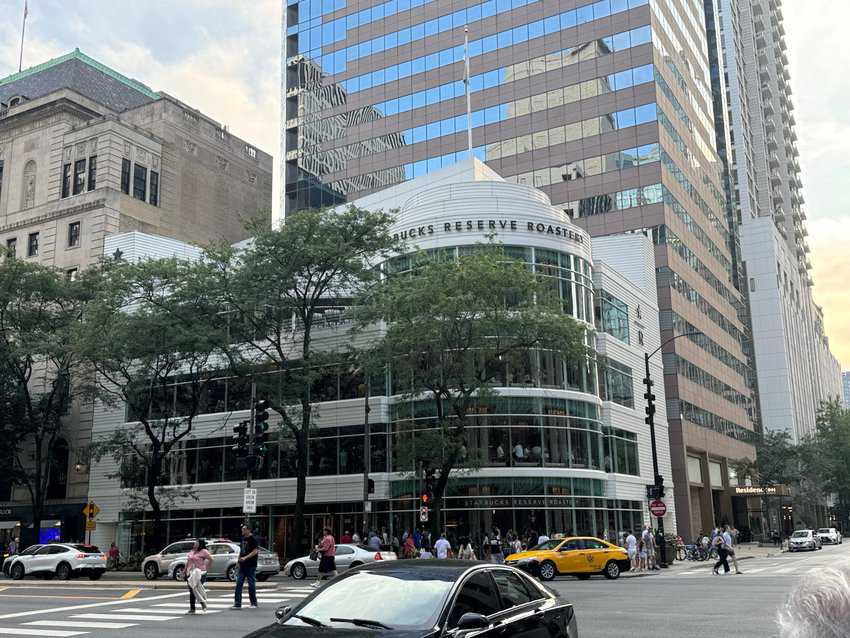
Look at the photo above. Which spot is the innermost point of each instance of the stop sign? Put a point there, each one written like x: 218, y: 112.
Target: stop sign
x: 657, y: 508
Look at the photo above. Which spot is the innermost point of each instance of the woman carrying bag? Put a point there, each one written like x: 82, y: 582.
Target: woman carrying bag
x: 198, y: 563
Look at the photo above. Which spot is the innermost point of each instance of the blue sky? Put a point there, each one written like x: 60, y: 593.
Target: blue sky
x: 222, y: 57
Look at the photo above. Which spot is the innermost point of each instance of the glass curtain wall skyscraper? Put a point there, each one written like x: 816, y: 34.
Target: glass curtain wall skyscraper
x: 606, y: 106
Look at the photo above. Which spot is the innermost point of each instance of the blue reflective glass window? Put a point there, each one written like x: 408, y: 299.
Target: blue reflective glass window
x: 621, y: 80
x: 391, y: 7
x: 417, y: 32
x: 420, y: 168
x: 351, y: 20
x: 491, y: 79
x: 405, y: 69
x: 535, y: 29
x: 446, y: 92
x: 418, y: 66
x: 390, y: 41
x: 552, y: 25
x: 378, y: 77
x: 339, y: 5
x: 433, y: 95
x: 378, y: 12
x: 432, y: 61
x: 418, y: 134
x: 643, y: 74
x: 434, y: 164
x: 520, y: 33
x: 624, y: 118
x: 621, y: 41
x: 327, y: 6
x: 584, y: 14
x: 477, y: 119
x: 403, y: 5
x: 404, y: 36
x: 447, y: 127
x: 418, y: 100
x: 393, y: 106
x: 473, y: 13
x: 391, y: 74
x: 476, y: 83
x: 491, y: 115
x: 339, y: 62
x: 488, y: 9
x: 504, y: 39
x: 327, y: 34
x: 446, y: 57
x: 460, y: 123
x: 601, y: 9
x: 490, y: 43
x: 619, y: 5
x: 475, y: 48
x: 568, y: 19
x: 444, y: 23
x: 637, y: 3
x: 641, y: 35
x: 503, y: 5
x: 364, y: 49
x: 431, y: 28
x: 432, y: 130
x: 645, y: 113
x: 339, y: 30
x: 457, y: 53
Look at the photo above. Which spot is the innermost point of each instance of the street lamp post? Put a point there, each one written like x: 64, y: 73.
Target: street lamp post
x: 658, y: 482
x: 367, y: 454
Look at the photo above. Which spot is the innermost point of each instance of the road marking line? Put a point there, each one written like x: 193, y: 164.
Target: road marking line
x: 59, y: 597
x: 131, y: 594
x: 142, y: 610
x: 39, y: 612
x: 123, y: 617
x: 21, y: 631
x: 81, y: 624
x: 183, y: 605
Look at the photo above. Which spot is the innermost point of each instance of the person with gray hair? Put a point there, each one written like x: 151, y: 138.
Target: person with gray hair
x: 819, y: 606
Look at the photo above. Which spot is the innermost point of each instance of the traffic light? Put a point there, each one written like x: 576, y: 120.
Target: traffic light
x: 240, y: 438
x: 650, y: 403
x: 261, y: 427
x: 430, y: 484
x: 371, y: 484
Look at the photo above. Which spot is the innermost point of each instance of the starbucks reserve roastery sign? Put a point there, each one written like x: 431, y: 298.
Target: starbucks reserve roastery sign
x: 491, y: 225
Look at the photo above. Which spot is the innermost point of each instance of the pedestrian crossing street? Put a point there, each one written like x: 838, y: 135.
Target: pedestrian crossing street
x: 145, y: 613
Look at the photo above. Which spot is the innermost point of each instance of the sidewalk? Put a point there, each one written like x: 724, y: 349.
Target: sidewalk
x: 743, y: 551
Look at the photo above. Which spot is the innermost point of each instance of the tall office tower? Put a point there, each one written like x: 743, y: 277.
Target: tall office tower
x: 845, y: 386
x: 754, y: 114
x: 606, y: 106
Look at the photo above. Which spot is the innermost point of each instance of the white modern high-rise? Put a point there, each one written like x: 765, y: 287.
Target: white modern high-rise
x: 794, y: 366
x: 845, y: 386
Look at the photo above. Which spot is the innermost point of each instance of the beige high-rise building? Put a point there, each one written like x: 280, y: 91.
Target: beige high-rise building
x: 86, y: 152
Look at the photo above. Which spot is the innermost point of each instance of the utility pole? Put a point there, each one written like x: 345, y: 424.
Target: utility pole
x: 367, y: 456
x: 250, y: 458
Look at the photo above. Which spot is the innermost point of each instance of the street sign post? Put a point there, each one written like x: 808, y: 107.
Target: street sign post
x: 249, y: 500
x: 658, y: 509
x: 423, y: 514
x: 91, y: 525
x: 91, y: 510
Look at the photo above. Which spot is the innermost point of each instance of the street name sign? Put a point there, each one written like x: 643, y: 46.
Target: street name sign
x: 249, y: 500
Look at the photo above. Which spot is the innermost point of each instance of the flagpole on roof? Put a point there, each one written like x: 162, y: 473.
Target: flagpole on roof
x: 23, y: 30
x: 468, y: 88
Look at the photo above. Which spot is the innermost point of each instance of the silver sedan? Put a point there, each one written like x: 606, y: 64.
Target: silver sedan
x: 347, y: 557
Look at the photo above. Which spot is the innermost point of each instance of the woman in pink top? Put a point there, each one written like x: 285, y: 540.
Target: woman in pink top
x: 198, y: 563
x: 327, y: 562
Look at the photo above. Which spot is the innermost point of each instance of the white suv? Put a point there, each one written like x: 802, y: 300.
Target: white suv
x: 830, y: 535
x: 61, y: 560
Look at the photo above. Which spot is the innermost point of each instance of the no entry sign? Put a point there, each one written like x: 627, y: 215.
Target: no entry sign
x: 657, y: 508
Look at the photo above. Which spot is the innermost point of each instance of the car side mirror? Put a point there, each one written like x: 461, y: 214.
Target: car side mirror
x: 282, y: 612
x: 471, y: 620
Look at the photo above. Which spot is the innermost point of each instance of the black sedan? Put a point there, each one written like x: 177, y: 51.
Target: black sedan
x: 428, y: 599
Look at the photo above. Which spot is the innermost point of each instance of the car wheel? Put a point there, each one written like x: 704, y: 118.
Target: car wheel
x: 18, y: 571
x: 63, y: 571
x: 263, y: 577
x: 583, y: 576
x: 231, y: 573
x: 547, y: 570
x: 151, y: 571
x: 612, y: 570
x: 298, y: 571
x: 355, y: 564
x: 95, y: 575
x: 179, y: 573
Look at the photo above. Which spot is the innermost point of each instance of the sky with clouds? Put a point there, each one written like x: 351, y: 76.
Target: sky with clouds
x: 222, y: 57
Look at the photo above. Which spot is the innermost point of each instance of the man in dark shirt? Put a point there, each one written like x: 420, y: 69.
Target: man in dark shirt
x: 247, y: 569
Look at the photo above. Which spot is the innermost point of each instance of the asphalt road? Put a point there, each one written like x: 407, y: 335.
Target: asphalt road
x: 686, y: 601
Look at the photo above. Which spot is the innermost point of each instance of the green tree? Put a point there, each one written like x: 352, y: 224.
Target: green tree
x: 154, y: 342
x: 827, y: 457
x: 456, y: 328
x: 776, y: 461
x: 288, y: 283
x: 39, y: 308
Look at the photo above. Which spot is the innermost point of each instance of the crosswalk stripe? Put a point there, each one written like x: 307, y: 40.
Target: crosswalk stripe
x: 143, y: 610
x: 81, y: 624
x: 124, y: 617
x: 183, y: 605
x: 21, y: 631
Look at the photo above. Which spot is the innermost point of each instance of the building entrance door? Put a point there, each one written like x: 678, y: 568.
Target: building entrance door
x: 283, y: 528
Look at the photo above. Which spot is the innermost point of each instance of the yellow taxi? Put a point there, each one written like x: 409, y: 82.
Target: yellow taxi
x: 580, y: 556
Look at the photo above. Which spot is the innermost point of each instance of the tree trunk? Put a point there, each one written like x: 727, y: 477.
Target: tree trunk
x: 154, y: 471
x: 436, y: 505
x: 301, y: 485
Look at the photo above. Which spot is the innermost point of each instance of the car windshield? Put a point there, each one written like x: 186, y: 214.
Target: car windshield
x: 800, y: 535
x: 552, y: 544
x: 88, y: 549
x: 399, y: 599
x: 824, y: 530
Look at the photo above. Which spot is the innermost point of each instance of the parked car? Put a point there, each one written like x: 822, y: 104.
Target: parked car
x: 804, y: 539
x: 61, y: 560
x: 10, y: 560
x: 171, y: 561
x: 347, y: 557
x: 830, y: 535
x: 574, y: 556
x: 225, y: 563
x: 419, y: 598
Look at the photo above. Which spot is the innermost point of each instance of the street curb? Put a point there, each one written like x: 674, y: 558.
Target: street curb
x: 122, y: 584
